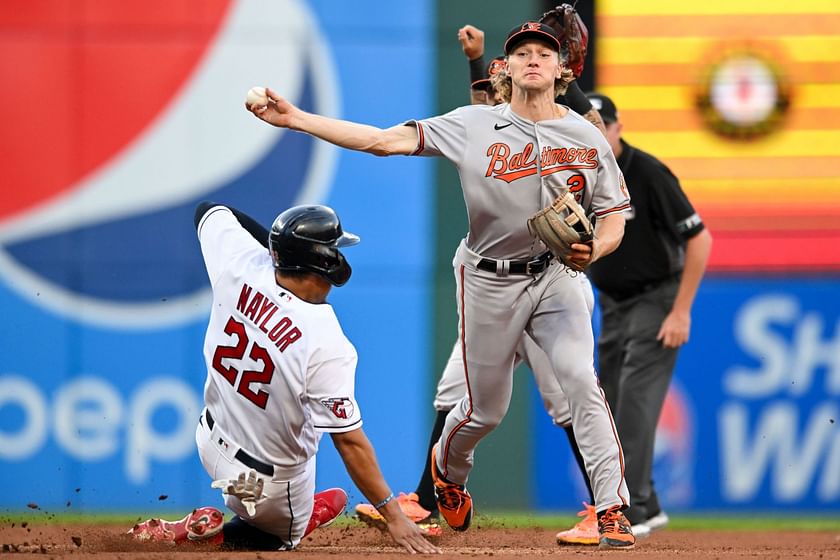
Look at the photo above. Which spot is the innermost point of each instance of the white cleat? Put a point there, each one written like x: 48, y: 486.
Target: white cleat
x: 658, y: 521
x: 641, y: 531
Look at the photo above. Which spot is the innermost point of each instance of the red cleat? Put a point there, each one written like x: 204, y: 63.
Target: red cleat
x: 329, y: 504
x: 203, y: 525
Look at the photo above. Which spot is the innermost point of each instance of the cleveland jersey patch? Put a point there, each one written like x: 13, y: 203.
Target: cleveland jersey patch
x: 341, y: 407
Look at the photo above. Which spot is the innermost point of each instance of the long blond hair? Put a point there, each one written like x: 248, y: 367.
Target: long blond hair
x: 503, y: 85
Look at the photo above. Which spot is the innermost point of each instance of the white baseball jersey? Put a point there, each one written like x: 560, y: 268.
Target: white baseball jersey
x: 507, y: 177
x: 280, y: 370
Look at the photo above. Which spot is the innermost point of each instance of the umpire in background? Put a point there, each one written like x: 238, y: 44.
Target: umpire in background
x: 646, y: 289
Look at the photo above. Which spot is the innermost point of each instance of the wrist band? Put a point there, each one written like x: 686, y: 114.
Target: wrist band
x: 384, y: 502
x: 577, y: 100
x: 478, y: 70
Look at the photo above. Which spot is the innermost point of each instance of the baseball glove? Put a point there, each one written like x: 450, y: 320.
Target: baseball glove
x: 560, y: 225
x: 572, y: 32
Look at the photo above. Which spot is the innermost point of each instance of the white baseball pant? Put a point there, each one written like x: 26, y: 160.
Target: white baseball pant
x: 288, y: 496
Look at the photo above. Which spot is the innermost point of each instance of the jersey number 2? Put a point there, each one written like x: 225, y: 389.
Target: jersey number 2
x: 576, y: 185
x: 236, y: 352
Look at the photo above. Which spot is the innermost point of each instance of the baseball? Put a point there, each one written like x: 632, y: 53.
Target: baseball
x: 256, y: 97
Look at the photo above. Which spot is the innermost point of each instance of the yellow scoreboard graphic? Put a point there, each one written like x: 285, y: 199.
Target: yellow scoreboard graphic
x: 741, y: 99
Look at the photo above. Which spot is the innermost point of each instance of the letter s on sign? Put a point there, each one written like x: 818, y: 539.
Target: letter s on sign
x: 753, y: 331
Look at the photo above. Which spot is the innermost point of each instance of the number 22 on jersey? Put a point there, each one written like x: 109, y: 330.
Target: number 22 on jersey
x: 235, y: 353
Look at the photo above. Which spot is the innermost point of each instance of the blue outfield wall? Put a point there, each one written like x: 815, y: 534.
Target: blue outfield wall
x: 752, y: 421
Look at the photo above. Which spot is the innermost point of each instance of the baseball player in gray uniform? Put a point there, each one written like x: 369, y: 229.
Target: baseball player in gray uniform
x: 421, y: 505
x: 280, y: 374
x: 513, y: 160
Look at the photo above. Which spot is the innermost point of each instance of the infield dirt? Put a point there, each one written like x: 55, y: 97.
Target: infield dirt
x: 107, y: 542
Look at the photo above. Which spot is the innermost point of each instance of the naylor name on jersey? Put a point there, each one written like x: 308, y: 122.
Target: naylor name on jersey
x: 260, y: 310
x: 509, y: 166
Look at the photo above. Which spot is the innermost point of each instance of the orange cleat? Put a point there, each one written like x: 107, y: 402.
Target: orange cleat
x: 203, y: 525
x: 615, y: 530
x: 454, y: 502
x: 585, y: 531
x: 410, y: 506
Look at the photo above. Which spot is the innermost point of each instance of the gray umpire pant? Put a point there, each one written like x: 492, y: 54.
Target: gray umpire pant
x: 635, y: 371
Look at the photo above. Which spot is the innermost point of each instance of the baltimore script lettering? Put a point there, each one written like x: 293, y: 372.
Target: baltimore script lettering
x: 509, y: 166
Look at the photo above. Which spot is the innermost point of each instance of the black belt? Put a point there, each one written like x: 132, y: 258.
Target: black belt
x: 241, y: 455
x: 518, y: 267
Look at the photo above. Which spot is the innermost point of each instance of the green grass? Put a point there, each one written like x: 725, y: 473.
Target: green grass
x: 712, y: 521
x: 46, y: 518
x: 717, y: 522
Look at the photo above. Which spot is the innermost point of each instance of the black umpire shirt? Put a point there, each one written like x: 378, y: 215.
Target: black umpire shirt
x: 659, y: 222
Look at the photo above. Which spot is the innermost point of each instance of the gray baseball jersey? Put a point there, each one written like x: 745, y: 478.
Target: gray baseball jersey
x: 511, y: 167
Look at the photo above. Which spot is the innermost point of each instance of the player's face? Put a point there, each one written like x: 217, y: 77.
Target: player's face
x: 533, y: 65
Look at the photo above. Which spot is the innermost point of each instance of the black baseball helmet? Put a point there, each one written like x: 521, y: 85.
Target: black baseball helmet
x: 307, y: 238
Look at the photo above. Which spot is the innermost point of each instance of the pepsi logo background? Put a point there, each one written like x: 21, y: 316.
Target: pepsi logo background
x: 124, y: 116
x: 102, y: 289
